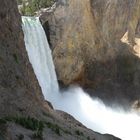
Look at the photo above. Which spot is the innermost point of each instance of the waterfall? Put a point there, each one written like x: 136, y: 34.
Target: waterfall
x: 91, y: 112
x: 40, y: 56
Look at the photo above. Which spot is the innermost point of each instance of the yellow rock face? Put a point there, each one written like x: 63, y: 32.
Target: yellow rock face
x: 76, y: 39
x: 90, y: 42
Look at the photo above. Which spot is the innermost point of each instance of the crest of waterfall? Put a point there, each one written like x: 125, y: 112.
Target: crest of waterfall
x: 40, y: 56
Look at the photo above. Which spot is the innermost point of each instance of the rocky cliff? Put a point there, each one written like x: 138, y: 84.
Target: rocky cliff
x: 24, y: 115
x: 17, y: 93
x: 96, y: 44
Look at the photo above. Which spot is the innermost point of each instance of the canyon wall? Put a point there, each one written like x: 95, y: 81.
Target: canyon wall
x: 96, y: 44
x: 19, y: 89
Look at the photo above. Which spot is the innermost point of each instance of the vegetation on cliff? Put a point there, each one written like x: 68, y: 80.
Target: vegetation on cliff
x: 29, y: 7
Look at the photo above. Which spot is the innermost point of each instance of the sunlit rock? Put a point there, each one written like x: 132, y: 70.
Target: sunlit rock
x: 94, y: 44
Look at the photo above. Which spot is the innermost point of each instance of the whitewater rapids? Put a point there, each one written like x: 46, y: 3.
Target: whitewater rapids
x: 91, y: 112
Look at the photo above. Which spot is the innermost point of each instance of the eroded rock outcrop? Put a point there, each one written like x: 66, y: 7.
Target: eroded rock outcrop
x: 95, y: 44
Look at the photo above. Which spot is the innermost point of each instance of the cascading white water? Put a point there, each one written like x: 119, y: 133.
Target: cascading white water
x: 92, y: 113
x: 40, y: 56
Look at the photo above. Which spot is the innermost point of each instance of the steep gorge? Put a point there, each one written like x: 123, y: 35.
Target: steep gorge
x: 21, y: 99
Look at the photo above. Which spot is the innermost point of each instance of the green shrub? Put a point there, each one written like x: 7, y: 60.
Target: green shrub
x: 38, y: 134
x: 67, y: 132
x: 16, y: 58
x: 29, y: 123
x: 77, y: 132
x: 29, y: 7
x: 33, y: 124
x: 54, y: 127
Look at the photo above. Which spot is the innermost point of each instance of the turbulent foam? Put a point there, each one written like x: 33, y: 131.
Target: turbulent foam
x: 91, y: 112
x: 95, y: 115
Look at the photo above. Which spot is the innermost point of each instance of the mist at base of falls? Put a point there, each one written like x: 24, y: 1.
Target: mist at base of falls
x: 89, y: 111
x: 98, y: 117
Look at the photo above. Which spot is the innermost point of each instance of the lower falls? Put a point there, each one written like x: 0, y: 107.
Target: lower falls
x: 93, y: 113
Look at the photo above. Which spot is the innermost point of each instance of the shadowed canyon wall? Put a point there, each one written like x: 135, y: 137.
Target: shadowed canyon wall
x: 19, y: 89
